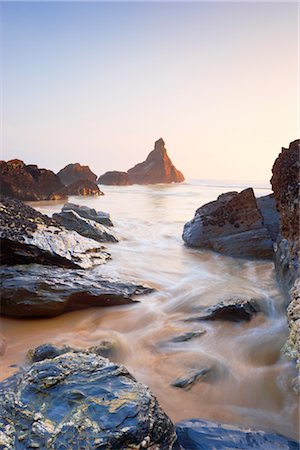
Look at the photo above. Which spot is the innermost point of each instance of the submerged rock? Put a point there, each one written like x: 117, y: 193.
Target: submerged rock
x: 89, y: 213
x: 85, y: 227
x: 82, y: 187
x: 197, y: 434
x: 28, y: 182
x: 76, y: 172
x: 193, y: 377
x: 28, y: 236
x: 40, y: 291
x: 115, y: 178
x: 233, y: 310
x: 79, y: 400
x: 233, y: 225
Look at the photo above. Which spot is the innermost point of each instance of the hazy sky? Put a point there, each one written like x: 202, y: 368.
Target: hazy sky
x: 98, y: 83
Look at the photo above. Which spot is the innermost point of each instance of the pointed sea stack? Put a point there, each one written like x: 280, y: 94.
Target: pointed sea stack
x: 158, y: 168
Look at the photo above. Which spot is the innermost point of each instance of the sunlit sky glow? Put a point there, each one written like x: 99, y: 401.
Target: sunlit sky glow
x: 97, y: 83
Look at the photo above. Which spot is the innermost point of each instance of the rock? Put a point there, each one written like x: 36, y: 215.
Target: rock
x: 188, y: 336
x: 197, y: 434
x: 82, y: 187
x: 28, y: 182
x: 41, y: 291
x: 85, y: 227
x: 81, y: 401
x: 157, y: 168
x: 89, y: 213
x: 76, y: 172
x: 267, y: 207
x: 194, y: 376
x: 28, y: 236
x: 233, y: 310
x: 115, y: 178
x: 233, y: 225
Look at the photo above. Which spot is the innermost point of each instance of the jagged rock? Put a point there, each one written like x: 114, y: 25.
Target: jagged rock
x: 232, y: 225
x: 79, y: 400
x: 233, y: 310
x: 197, y: 434
x: 194, y: 376
x: 115, y: 178
x: 89, y: 213
x: 28, y: 236
x: 82, y: 187
x: 41, y: 291
x: 76, y: 172
x: 28, y: 182
x: 85, y: 227
x: 157, y: 168
x: 267, y: 207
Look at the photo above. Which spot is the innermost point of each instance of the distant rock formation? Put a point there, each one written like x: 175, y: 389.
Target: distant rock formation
x: 28, y: 182
x: 75, y: 172
x: 115, y: 178
x: 234, y: 225
x: 82, y: 187
x: 157, y: 168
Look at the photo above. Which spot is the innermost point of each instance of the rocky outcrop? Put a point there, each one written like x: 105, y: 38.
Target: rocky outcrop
x: 292, y: 346
x: 115, y: 178
x: 285, y: 183
x: 89, y: 213
x: 28, y: 182
x: 199, y: 434
x: 82, y: 187
x: 157, y: 168
x: 233, y: 225
x: 79, y: 400
x: 85, y: 227
x: 76, y: 172
x: 28, y: 236
x: 41, y: 291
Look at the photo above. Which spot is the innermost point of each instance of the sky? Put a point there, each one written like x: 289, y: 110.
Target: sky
x: 98, y: 82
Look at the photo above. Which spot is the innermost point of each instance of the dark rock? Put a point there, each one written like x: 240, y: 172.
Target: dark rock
x: 81, y: 401
x: 194, y: 376
x: 39, y: 291
x: 233, y: 310
x: 89, y: 213
x: 196, y: 434
x: 233, y: 225
x: 188, y: 336
x: 157, y: 168
x: 28, y: 182
x: 50, y: 351
x: 115, y: 178
x: 82, y: 187
x: 76, y: 172
x: 28, y: 236
x: 267, y: 207
x: 85, y: 227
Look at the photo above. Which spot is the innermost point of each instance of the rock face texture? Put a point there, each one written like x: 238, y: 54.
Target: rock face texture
x: 233, y: 225
x: 41, y: 291
x: 199, y: 434
x: 115, y: 178
x: 79, y: 400
x: 76, y: 172
x: 82, y: 187
x: 28, y: 236
x: 157, y: 168
x: 28, y: 182
x: 89, y: 213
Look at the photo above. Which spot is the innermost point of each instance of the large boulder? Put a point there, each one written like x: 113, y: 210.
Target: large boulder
x: 80, y: 400
x: 75, y: 172
x: 85, y: 227
x: 28, y: 182
x: 233, y: 225
x: 115, y: 178
x: 82, y: 187
x: 41, y: 291
x: 89, y: 213
x: 157, y: 168
x: 28, y: 236
x: 197, y: 434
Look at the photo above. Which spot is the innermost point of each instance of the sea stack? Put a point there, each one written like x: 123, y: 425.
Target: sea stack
x: 75, y: 172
